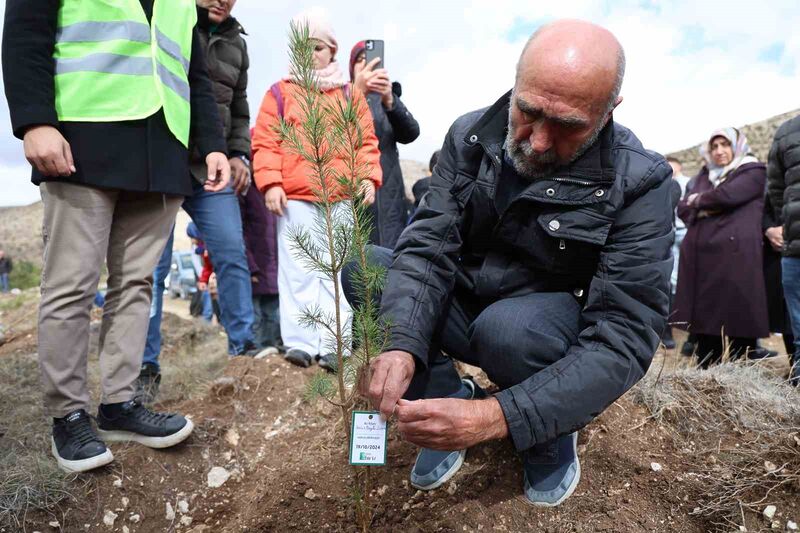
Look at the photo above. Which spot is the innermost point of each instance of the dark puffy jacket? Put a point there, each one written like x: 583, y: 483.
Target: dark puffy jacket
x: 261, y: 241
x: 228, y: 62
x: 600, y: 229
x: 391, y: 127
x: 783, y: 183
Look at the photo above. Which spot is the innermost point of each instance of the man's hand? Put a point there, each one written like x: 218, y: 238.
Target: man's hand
x: 202, y: 286
x: 48, y: 151
x: 276, y: 200
x: 775, y: 237
x: 450, y: 423
x: 367, y: 189
x: 219, y: 172
x: 389, y: 377
x: 240, y: 173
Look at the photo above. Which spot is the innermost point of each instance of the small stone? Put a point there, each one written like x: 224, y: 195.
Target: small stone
x: 406, y: 506
x: 109, y: 518
x: 770, y: 467
x: 54, y: 524
x: 743, y: 529
x: 183, y: 507
x: 452, y: 488
x: 134, y: 519
x: 775, y: 524
x: 125, y: 502
x: 232, y: 437
x: 769, y: 512
x: 382, y: 490
x: 118, y: 483
x: 125, y: 529
x: 170, y: 515
x: 309, y: 495
x: 791, y: 526
x: 186, y: 520
x: 217, y: 477
x: 656, y: 467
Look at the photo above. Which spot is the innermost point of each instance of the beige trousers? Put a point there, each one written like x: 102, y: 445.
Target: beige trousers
x: 82, y: 227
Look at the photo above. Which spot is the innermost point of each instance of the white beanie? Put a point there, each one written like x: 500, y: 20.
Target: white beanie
x: 318, y: 28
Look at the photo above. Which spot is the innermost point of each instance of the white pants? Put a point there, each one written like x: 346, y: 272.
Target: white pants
x: 300, y: 290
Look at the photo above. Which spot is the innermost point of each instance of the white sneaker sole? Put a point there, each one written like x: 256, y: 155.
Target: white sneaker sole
x: 81, y: 465
x: 447, y: 475
x: 151, y: 442
x: 572, y: 487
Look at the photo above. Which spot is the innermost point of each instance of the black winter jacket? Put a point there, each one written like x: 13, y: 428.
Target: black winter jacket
x: 228, y: 61
x: 134, y: 155
x: 783, y: 183
x: 601, y: 229
x: 392, y: 126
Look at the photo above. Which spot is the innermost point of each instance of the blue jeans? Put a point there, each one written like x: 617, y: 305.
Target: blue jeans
x: 4, y: 282
x: 790, y: 267
x: 220, y: 223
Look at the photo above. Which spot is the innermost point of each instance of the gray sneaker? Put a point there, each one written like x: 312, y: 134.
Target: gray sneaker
x: 298, y: 357
x: 551, y: 471
x: 433, y: 468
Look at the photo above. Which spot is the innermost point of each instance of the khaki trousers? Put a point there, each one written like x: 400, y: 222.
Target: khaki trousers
x: 82, y: 227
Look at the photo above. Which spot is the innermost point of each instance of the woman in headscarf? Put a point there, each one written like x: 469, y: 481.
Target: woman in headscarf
x: 394, y: 124
x: 284, y: 178
x: 721, y: 296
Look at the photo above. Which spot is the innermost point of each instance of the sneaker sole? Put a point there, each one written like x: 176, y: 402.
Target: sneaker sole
x: 81, y: 465
x: 447, y: 475
x: 572, y: 487
x: 266, y: 352
x: 151, y: 442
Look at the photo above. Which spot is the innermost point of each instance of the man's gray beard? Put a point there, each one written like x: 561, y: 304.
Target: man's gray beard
x: 535, y: 166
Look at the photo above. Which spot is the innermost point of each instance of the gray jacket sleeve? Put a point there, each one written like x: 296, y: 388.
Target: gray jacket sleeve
x: 239, y: 137
x: 624, y: 317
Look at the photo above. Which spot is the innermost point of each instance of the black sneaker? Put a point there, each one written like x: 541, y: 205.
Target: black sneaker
x: 249, y: 350
x: 298, y: 357
x: 133, y: 422
x: 148, y: 383
x: 76, y: 446
x: 761, y: 353
x: 687, y: 350
x: 329, y: 362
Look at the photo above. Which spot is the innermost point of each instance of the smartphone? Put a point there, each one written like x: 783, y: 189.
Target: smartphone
x: 374, y: 48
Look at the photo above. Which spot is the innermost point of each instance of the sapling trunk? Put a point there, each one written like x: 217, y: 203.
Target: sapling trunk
x: 330, y: 130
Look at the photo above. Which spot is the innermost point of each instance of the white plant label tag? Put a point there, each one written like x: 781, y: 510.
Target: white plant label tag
x: 368, y: 439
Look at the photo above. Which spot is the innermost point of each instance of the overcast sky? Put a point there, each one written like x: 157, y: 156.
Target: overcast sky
x: 692, y: 66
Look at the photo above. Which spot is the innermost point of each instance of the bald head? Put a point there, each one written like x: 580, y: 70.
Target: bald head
x: 575, y: 53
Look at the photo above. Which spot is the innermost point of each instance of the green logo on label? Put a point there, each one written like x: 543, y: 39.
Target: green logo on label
x: 363, y: 456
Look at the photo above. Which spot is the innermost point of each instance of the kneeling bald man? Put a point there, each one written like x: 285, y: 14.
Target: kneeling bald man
x: 541, y: 254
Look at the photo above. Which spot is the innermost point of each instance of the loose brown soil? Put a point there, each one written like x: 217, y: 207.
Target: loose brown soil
x: 289, y: 471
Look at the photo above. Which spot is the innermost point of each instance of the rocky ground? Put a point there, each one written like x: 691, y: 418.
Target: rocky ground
x: 264, y: 459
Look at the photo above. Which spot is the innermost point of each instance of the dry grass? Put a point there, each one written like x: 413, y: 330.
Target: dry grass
x: 194, y: 355
x: 739, y: 427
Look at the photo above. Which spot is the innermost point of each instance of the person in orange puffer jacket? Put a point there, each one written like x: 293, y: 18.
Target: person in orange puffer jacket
x: 284, y: 178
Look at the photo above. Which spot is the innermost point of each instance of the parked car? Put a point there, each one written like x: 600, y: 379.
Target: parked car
x: 182, y: 276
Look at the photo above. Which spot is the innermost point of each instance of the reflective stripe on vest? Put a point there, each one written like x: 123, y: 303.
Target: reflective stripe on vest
x: 111, y: 65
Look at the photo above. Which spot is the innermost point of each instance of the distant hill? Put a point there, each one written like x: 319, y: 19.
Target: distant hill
x: 759, y: 135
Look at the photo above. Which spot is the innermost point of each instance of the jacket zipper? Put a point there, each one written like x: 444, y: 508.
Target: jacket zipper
x: 571, y: 180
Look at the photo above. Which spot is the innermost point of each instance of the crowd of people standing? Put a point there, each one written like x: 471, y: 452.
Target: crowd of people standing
x: 539, y: 250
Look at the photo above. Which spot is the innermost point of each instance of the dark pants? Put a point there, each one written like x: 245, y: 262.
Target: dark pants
x: 510, y: 339
x: 711, y: 347
x: 266, y: 320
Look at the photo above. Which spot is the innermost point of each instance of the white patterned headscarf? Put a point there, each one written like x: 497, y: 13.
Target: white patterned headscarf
x: 741, y: 154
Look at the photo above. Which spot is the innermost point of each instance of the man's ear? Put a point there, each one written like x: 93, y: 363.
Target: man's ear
x: 611, y: 111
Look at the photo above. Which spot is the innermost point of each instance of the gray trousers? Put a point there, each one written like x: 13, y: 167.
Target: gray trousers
x: 82, y: 227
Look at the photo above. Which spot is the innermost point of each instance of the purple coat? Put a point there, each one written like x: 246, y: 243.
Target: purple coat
x: 260, y: 240
x: 720, y: 276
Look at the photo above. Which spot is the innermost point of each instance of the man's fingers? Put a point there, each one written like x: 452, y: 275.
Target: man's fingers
x: 376, y: 385
x: 68, y: 157
x: 412, y: 411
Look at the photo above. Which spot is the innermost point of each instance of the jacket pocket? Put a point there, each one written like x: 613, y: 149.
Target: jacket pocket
x: 575, y: 239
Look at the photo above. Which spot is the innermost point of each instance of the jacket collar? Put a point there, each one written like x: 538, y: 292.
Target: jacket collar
x: 594, y: 165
